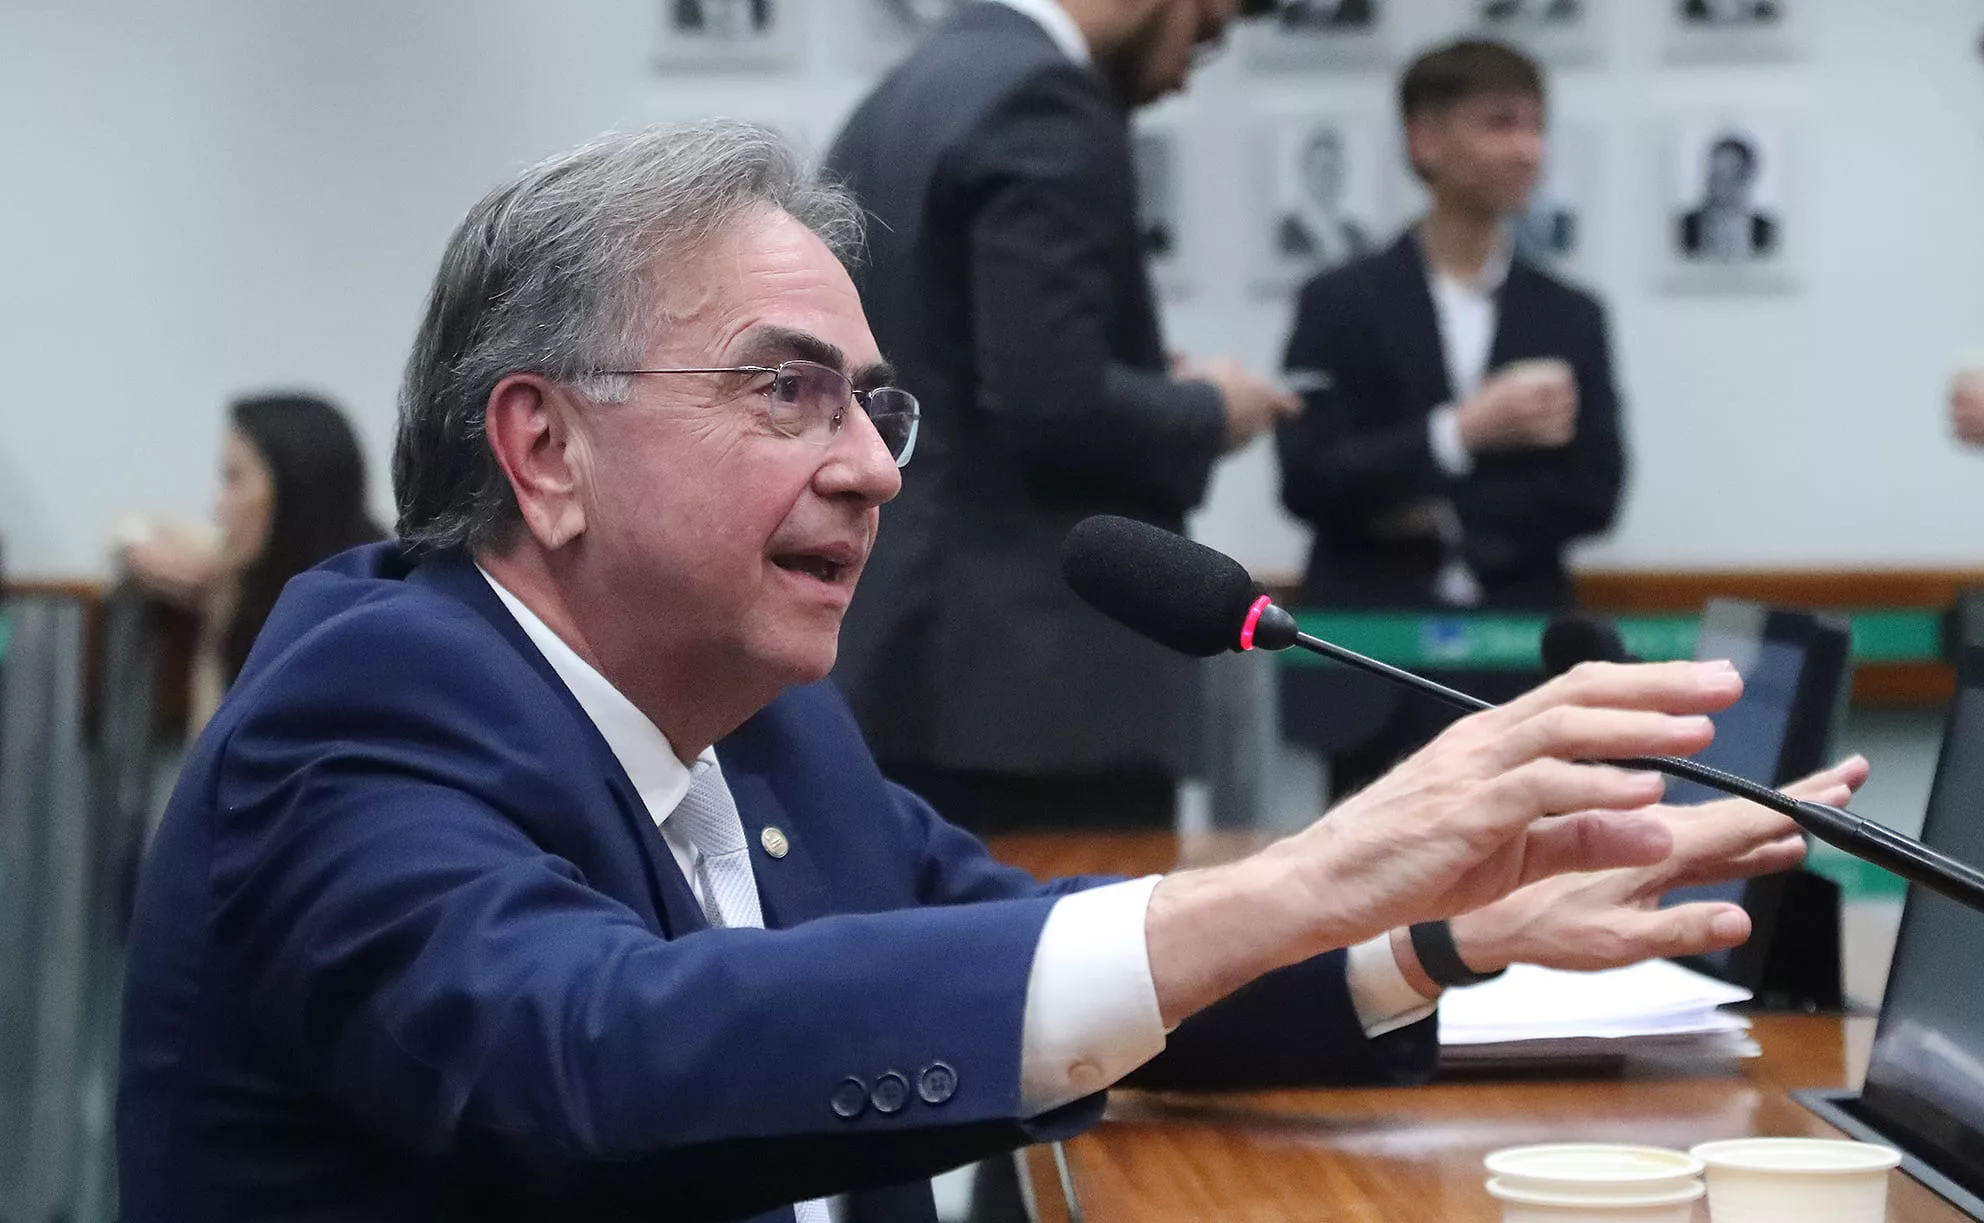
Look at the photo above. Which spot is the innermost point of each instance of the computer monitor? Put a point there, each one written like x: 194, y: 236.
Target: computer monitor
x: 1924, y: 1092
x: 1796, y: 680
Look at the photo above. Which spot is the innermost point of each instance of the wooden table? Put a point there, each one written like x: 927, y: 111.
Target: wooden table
x: 1404, y: 1153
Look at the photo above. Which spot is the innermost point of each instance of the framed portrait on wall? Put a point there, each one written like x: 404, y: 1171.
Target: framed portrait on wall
x: 1555, y: 228
x: 1318, y: 34
x: 1735, y: 30
x: 718, y: 35
x: 1155, y: 150
x: 1731, y: 217
x: 1321, y: 189
x: 1553, y: 31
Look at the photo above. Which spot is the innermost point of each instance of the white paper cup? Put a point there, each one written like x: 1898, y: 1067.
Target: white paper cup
x: 1593, y: 1168
x: 1812, y: 1180
x: 1673, y: 1202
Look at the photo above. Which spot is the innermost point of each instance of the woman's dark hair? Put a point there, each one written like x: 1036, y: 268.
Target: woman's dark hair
x: 317, y: 492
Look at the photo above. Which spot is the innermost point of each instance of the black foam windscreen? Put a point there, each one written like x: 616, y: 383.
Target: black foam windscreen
x: 1176, y: 592
x: 1570, y: 640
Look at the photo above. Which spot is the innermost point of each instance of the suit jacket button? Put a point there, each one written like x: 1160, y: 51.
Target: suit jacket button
x: 850, y: 1098
x: 937, y: 1083
x: 890, y: 1094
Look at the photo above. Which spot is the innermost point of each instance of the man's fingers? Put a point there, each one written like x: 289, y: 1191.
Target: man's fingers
x: 1682, y: 930
x: 1835, y: 785
x: 1664, y: 687
x: 1590, y: 841
x: 1561, y: 787
x: 1772, y: 856
x: 1569, y: 732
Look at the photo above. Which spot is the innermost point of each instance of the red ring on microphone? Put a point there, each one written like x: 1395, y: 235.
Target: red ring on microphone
x: 1253, y: 618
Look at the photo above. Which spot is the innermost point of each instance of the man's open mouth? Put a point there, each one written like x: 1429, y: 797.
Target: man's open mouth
x: 814, y: 565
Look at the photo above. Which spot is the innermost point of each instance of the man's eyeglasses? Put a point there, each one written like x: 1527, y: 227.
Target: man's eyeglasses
x: 807, y: 400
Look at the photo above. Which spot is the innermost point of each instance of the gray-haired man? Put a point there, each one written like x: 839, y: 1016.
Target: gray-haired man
x: 528, y: 873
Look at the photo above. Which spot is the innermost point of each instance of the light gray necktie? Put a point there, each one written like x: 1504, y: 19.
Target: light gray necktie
x: 730, y: 891
x: 723, y: 857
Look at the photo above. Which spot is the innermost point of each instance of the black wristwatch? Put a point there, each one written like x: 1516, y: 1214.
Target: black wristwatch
x: 1433, y: 942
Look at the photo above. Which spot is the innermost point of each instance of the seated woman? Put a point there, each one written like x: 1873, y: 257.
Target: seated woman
x: 292, y: 493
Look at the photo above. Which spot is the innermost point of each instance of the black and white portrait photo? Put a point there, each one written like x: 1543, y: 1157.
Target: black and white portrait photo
x: 1154, y: 158
x: 1153, y: 154
x: 1515, y: 15
x: 1320, y: 179
x: 1317, y: 33
x: 1314, y: 15
x: 1735, y: 30
x: 728, y: 33
x: 1729, y: 204
x: 1553, y: 31
x: 1552, y: 229
x: 1730, y: 12
x: 1729, y: 221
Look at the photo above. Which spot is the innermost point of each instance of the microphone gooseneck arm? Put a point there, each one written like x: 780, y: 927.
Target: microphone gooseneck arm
x: 1863, y: 838
x: 1201, y: 602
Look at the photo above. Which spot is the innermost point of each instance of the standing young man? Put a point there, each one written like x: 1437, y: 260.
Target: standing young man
x: 1463, y: 428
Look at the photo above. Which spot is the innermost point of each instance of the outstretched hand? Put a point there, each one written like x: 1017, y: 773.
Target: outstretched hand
x: 1605, y: 919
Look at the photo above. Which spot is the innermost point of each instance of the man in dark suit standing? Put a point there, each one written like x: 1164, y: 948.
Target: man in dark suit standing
x: 1006, y: 277
x: 1464, y: 427
x: 528, y: 871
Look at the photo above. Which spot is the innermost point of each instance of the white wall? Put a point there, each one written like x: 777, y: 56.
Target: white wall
x: 218, y: 195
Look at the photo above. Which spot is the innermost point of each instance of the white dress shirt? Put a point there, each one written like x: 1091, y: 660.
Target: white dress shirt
x: 1467, y: 316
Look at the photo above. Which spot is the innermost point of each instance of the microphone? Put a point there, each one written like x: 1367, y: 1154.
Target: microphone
x: 1201, y: 602
x: 1570, y: 640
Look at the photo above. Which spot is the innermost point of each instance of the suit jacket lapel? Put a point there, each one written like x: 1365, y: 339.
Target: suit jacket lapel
x: 674, y: 903
x: 1417, y: 352
x: 790, y: 887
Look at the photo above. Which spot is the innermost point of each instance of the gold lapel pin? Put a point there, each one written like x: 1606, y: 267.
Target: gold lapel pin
x: 775, y: 842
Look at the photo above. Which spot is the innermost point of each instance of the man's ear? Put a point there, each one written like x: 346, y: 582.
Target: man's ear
x: 531, y: 433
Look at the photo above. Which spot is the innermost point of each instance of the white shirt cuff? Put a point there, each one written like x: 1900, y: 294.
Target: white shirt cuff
x: 1091, y: 1007
x: 1385, y: 1001
x: 1443, y: 435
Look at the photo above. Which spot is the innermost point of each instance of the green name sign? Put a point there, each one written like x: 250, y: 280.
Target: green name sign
x: 1496, y: 642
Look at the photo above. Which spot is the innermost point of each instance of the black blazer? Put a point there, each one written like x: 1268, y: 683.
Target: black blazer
x: 1005, y: 277
x: 1360, y: 450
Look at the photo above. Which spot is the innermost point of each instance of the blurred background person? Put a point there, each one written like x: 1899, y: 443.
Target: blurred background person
x: 1463, y: 427
x: 1967, y: 403
x: 1006, y: 277
x: 292, y: 493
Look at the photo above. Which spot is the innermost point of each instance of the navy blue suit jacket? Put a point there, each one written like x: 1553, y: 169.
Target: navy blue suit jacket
x: 408, y: 946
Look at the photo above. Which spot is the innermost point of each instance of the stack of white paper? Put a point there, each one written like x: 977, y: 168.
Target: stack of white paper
x: 1654, y: 1009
